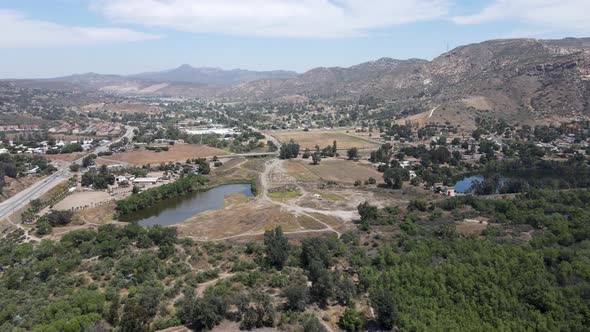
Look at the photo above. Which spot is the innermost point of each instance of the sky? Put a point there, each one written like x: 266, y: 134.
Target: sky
x: 50, y: 38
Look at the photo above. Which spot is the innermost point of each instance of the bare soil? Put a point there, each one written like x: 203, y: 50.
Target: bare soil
x: 338, y: 170
x: 178, y: 152
x: 323, y: 138
x: 83, y: 199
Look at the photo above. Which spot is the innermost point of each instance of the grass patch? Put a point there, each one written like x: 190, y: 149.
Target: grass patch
x: 235, y: 198
x: 284, y: 194
x: 331, y: 196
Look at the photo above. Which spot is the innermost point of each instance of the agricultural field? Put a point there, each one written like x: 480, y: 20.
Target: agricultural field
x: 343, y: 171
x: 323, y: 138
x: 178, y: 152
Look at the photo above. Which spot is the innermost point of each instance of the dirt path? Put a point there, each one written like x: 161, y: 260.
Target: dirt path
x: 432, y: 112
x: 274, y: 164
x: 113, y: 161
x: 28, y: 236
x: 203, y: 286
x: 291, y: 206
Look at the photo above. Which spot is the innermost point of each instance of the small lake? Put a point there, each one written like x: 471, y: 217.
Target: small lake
x: 465, y: 184
x: 178, y: 209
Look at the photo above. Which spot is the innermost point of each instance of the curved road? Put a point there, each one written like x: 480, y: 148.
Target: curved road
x: 21, y: 199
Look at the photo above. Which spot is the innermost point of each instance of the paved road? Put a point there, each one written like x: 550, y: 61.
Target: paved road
x: 273, y: 139
x: 36, y: 190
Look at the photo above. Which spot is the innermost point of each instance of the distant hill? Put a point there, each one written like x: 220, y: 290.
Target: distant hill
x: 212, y: 76
x: 515, y: 78
x: 120, y: 85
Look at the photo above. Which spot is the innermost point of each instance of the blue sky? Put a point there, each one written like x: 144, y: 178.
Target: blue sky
x: 41, y: 38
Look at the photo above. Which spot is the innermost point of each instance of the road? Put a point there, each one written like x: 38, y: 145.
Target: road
x: 267, y: 136
x: 272, y: 139
x: 37, y: 189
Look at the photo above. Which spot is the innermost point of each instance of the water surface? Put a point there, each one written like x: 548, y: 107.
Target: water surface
x: 178, y: 209
x: 464, y: 185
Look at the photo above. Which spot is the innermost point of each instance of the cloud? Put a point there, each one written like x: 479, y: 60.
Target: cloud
x: 19, y: 31
x: 274, y: 18
x: 557, y: 15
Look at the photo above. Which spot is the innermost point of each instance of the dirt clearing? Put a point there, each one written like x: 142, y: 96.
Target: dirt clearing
x: 309, y: 139
x: 83, y: 199
x: 343, y: 171
x: 179, y: 152
x: 242, y: 220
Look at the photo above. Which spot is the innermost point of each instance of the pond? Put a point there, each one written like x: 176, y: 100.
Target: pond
x: 178, y: 209
x: 463, y: 185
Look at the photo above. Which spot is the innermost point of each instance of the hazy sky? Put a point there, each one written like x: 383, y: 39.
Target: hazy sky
x: 46, y: 38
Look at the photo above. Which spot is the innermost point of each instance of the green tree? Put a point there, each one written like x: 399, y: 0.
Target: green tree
x: 297, y: 295
x: 276, y: 247
x: 112, y: 315
x: 395, y: 177
x: 382, y: 301
x: 43, y: 227
x: 351, y: 320
x: 352, y: 153
x: 198, y: 313
x: 135, y: 317
x: 316, y: 158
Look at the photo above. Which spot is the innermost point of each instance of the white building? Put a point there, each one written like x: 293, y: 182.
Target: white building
x: 152, y: 180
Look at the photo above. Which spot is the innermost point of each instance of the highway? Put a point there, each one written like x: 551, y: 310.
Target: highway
x: 36, y: 190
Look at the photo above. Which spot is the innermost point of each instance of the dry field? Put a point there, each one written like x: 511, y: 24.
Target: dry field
x: 343, y: 171
x: 82, y: 199
x: 98, y: 215
x: 471, y: 226
x: 323, y: 138
x: 179, y: 152
x: 64, y: 156
x: 14, y: 186
x: 243, y: 219
x: 236, y: 170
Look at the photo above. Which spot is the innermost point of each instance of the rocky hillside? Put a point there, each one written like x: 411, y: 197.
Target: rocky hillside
x: 512, y: 77
x: 516, y: 79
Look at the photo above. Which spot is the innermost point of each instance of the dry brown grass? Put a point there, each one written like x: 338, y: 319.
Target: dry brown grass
x: 335, y: 223
x: 338, y: 170
x: 81, y: 199
x: 471, y: 226
x: 65, y: 156
x: 240, y: 170
x: 97, y: 215
x: 179, y: 152
x: 248, y: 218
x: 297, y: 170
x: 14, y: 186
x: 324, y: 138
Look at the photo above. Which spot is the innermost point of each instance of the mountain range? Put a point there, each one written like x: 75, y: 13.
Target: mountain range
x: 212, y: 76
x: 512, y: 78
